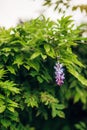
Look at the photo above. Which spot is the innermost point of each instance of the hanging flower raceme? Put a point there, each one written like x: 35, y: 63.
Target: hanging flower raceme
x: 59, y: 73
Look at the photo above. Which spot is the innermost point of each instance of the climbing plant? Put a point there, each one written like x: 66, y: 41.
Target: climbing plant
x: 39, y: 72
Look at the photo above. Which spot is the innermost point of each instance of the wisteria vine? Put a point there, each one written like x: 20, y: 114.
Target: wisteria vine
x: 59, y: 74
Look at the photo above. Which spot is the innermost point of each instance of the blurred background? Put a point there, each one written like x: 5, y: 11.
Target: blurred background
x: 11, y: 11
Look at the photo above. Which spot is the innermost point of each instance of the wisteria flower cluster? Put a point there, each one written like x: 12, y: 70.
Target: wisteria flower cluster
x: 59, y: 73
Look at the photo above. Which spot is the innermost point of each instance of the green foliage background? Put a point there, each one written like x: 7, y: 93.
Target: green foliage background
x: 29, y: 96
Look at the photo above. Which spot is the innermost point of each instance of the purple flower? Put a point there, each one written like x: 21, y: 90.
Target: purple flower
x: 59, y: 74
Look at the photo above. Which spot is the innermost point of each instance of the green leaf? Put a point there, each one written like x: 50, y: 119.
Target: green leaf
x: 9, y: 85
x: 34, y: 73
x: 6, y: 49
x: 2, y: 108
x: 39, y: 79
x: 11, y: 103
x: 60, y: 106
x: 2, y: 97
x: 11, y: 69
x: 70, y: 58
x: 46, y: 76
x: 77, y: 75
x: 51, y: 52
x: 27, y: 67
x: 43, y: 56
x: 48, y: 99
x: 34, y: 64
x: 6, y: 123
x: 80, y: 126
x: 18, y: 60
x: 2, y: 73
x: 56, y: 110
x: 47, y: 48
x: 34, y: 55
x: 11, y: 109
x: 1, y: 102
x: 31, y: 100
x: 79, y: 91
x: 18, y: 41
x: 14, y: 117
x: 76, y: 97
x: 61, y: 114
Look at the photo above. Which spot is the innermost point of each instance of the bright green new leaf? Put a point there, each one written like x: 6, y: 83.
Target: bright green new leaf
x: 61, y: 114
x: 47, y: 48
x: 34, y: 55
x: 11, y: 109
x: 2, y: 108
x: 11, y: 69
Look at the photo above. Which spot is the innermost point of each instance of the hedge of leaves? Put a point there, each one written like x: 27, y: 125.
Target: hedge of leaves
x: 28, y: 90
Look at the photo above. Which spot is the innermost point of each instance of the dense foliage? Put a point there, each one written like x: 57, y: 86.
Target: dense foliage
x: 30, y: 99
